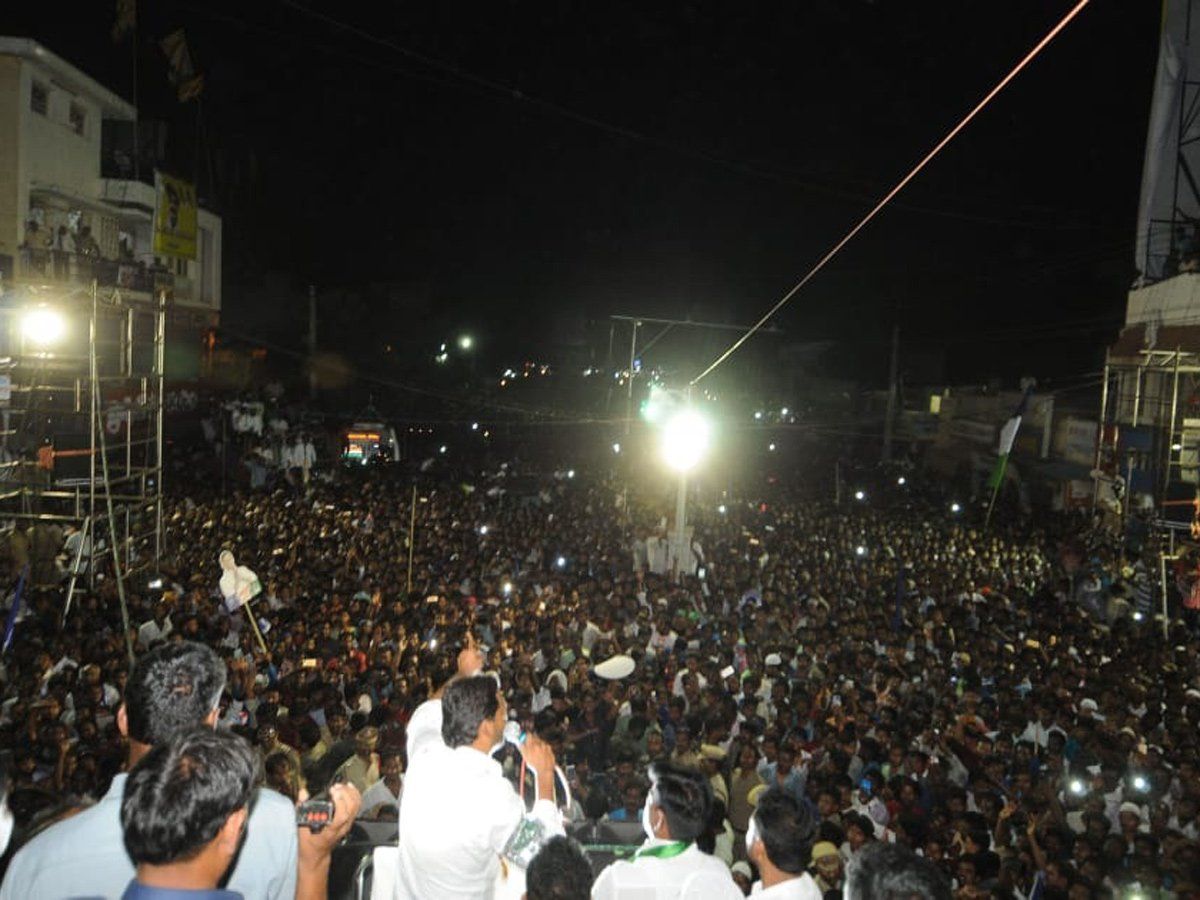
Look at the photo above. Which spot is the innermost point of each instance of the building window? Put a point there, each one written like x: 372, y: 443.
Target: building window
x: 78, y: 118
x: 181, y: 267
x: 39, y: 98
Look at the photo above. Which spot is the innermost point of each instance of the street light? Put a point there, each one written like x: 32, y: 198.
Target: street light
x: 43, y: 326
x: 684, y: 442
x: 465, y: 342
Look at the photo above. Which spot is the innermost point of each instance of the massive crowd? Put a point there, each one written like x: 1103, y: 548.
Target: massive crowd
x: 995, y: 699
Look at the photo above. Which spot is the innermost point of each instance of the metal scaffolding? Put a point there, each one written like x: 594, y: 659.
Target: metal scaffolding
x: 1155, y: 397
x: 82, y: 437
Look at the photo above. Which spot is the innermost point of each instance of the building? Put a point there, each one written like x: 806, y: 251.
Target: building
x: 63, y: 223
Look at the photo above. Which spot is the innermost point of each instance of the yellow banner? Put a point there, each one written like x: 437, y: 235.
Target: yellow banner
x: 174, y: 217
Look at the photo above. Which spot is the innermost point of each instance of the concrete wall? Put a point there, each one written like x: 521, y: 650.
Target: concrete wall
x: 10, y: 216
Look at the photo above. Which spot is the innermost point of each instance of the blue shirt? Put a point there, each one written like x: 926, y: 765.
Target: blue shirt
x: 84, y: 856
x: 137, y: 891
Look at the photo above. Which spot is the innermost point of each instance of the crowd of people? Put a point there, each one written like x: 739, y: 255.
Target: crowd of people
x: 885, y: 675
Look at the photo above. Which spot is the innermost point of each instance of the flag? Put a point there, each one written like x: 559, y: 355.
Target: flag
x: 126, y: 20
x: 1008, y: 434
x: 188, y: 82
x: 11, y: 625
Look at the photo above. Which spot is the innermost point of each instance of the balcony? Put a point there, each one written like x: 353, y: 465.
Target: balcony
x: 58, y: 267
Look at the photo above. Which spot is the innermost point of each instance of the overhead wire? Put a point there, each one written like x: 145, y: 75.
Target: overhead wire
x: 916, y: 170
x: 494, y: 87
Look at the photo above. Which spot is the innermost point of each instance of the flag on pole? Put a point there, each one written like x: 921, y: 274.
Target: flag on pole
x: 1008, y: 435
x: 11, y: 625
x: 188, y: 81
x: 126, y: 20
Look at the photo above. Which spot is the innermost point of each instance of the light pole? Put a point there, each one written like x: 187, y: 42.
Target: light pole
x: 685, y: 439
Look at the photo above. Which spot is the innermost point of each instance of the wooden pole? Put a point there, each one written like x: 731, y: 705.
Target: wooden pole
x: 412, y: 532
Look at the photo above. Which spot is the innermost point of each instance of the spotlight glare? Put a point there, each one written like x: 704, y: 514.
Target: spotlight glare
x: 771, y: 447
x: 860, y: 550
x: 43, y: 326
x: 955, y: 508
x: 466, y: 342
x: 442, y: 449
x: 860, y: 495
x: 562, y: 562
x: 508, y: 587
x: 721, y: 509
x: 570, y: 473
x: 901, y: 481
x: 685, y: 440
x: 616, y: 448
x: 1078, y: 788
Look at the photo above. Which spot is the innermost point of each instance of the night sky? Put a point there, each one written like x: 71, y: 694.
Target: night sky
x: 523, y: 169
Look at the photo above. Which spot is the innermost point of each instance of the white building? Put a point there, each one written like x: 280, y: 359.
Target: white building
x: 51, y: 184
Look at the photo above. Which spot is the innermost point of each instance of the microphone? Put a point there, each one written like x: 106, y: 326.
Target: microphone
x: 513, y: 733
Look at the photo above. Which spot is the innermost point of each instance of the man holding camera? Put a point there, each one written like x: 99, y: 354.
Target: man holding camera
x: 175, y: 686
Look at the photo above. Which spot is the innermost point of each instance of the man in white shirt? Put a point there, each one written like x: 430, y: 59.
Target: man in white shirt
x: 458, y: 814
x: 156, y: 629
x: 382, y: 799
x: 669, y: 865
x: 779, y: 842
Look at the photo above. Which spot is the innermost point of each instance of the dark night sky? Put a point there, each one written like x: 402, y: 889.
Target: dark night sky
x: 762, y: 131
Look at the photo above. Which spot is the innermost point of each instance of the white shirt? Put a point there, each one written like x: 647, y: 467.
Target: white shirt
x: 692, y: 875
x: 457, y: 814
x: 151, y: 631
x: 377, y: 794
x: 802, y: 888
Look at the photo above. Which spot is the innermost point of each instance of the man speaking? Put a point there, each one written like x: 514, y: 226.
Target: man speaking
x: 458, y: 814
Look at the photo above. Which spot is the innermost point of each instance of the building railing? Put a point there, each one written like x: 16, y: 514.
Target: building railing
x: 51, y: 266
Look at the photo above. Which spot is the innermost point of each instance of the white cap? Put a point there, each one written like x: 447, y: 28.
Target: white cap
x: 773, y: 659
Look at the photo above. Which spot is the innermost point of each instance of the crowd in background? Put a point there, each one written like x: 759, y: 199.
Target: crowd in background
x: 1001, y: 700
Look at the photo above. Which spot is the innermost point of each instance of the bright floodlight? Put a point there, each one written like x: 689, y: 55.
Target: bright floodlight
x: 570, y: 473
x: 483, y: 529
x: 43, y: 326
x: 474, y: 426
x: 860, y: 550
x: 784, y: 411
x: 685, y: 440
x: 508, y: 587
x: 721, y: 509
x: 616, y: 448
x: 466, y: 342
x: 1138, y: 616
x: 771, y: 447
x: 901, y: 481
x: 562, y: 562
x: 1140, y: 783
x: 442, y: 449
x: 955, y: 508
x: 859, y: 495
x: 1078, y: 788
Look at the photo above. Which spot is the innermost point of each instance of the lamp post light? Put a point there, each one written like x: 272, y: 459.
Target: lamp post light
x: 43, y: 326
x: 685, y: 439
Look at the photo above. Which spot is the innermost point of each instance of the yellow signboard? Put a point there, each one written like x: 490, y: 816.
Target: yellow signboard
x: 174, y: 217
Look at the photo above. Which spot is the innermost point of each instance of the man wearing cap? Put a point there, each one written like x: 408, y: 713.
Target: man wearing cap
x: 669, y: 865
x: 777, y: 842
x: 827, y: 866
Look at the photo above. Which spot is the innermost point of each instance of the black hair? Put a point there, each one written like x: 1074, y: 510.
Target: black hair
x: 684, y: 796
x: 881, y: 871
x: 174, y: 686
x: 466, y: 703
x: 178, y: 797
x: 559, y: 871
x: 786, y: 828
